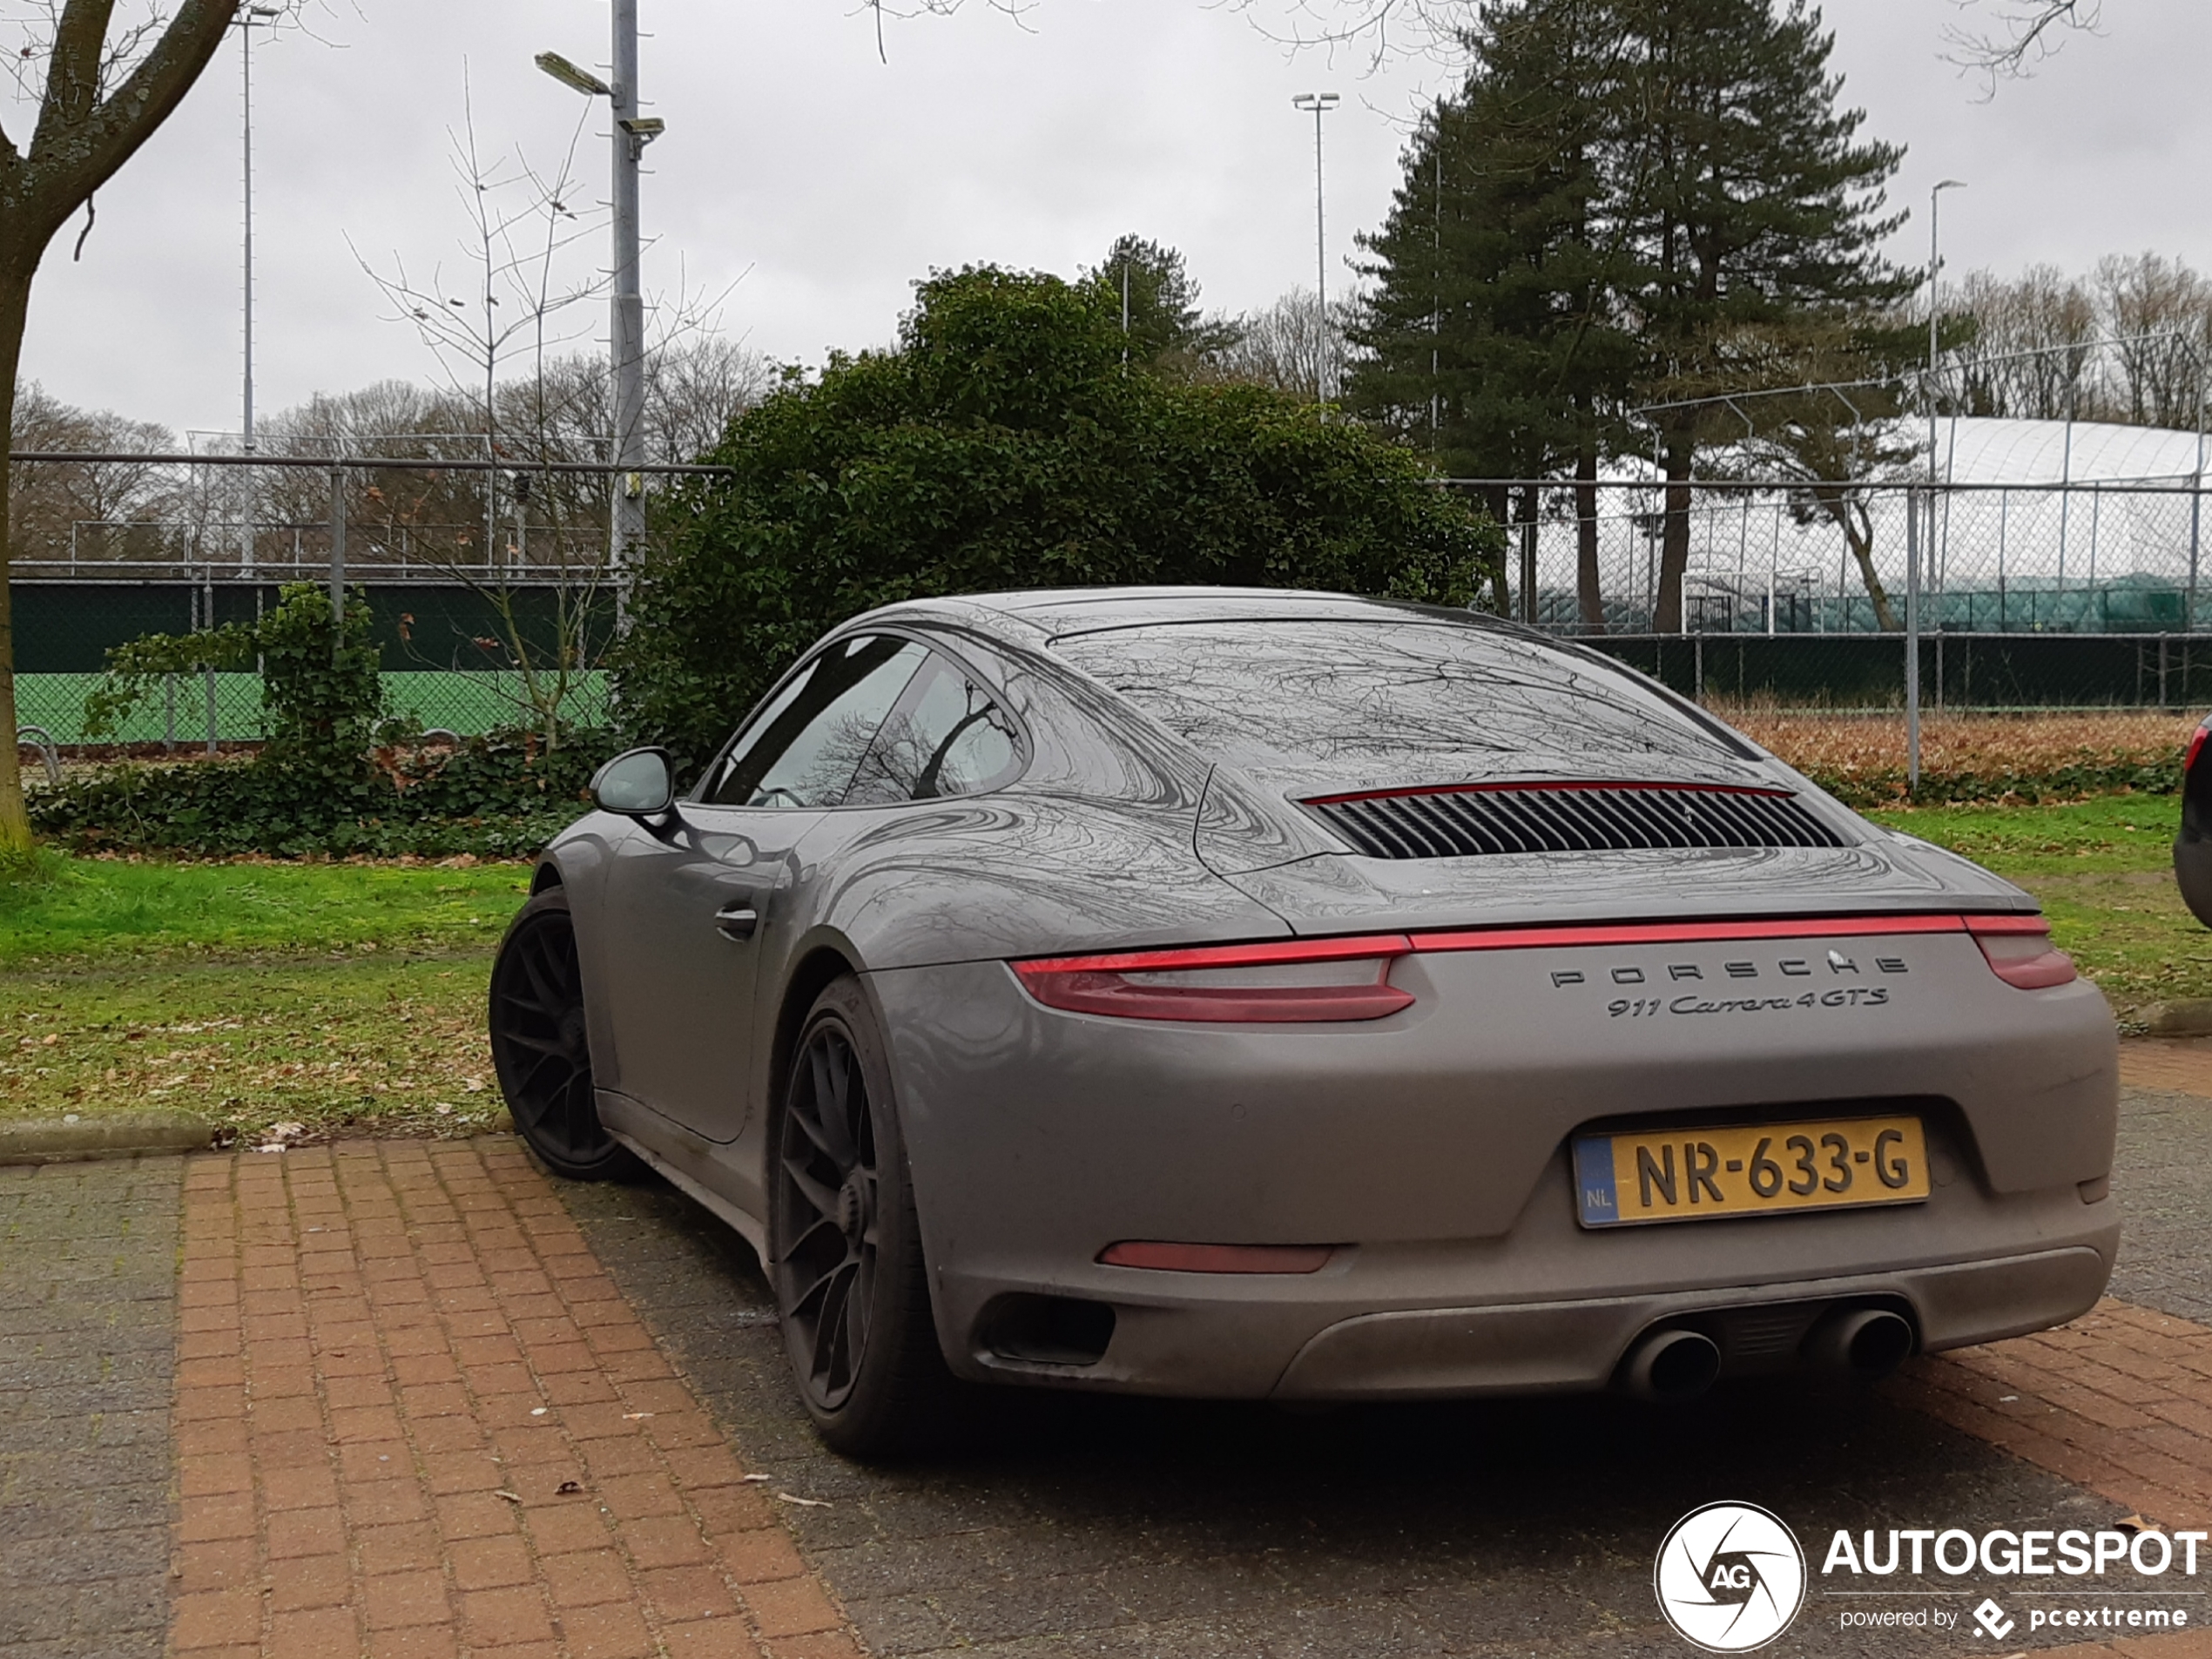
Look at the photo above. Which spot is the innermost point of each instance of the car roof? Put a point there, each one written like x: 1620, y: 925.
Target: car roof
x: 1045, y: 614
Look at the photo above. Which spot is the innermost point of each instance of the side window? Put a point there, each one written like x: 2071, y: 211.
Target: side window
x: 805, y: 746
x: 946, y: 738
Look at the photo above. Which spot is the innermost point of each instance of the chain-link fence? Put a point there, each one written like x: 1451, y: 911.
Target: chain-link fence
x: 1810, y: 594
x: 494, y: 589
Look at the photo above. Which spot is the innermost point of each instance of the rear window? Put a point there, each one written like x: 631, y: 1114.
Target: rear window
x: 1269, y: 696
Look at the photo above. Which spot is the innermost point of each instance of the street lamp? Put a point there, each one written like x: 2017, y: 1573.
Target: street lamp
x: 1914, y: 542
x: 1320, y: 103
x: 626, y: 331
x: 1935, y: 265
x: 246, y: 21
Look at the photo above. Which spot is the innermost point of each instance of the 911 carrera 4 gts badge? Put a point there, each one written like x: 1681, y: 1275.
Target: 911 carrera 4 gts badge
x: 1730, y: 995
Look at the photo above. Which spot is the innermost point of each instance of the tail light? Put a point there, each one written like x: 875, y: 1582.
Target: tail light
x: 1217, y: 1258
x: 2196, y: 742
x: 1282, y: 982
x: 2020, y: 951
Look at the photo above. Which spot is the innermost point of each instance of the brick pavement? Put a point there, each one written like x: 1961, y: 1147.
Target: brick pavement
x: 392, y: 1359
x: 2183, y: 1065
x: 2120, y: 1400
x: 88, y: 1306
x: 414, y: 1417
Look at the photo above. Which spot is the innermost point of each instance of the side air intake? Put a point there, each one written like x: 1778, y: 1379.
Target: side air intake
x: 1483, y: 819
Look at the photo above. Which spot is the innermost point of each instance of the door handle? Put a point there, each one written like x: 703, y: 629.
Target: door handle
x: 737, y: 920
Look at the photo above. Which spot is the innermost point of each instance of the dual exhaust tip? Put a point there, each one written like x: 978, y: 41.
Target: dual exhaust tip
x: 1677, y: 1363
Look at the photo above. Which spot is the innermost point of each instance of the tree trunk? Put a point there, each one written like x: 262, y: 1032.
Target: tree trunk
x: 15, y: 822
x: 1674, y: 547
x: 1588, y: 591
x: 1858, y: 533
x: 1495, y: 503
x: 1527, y: 515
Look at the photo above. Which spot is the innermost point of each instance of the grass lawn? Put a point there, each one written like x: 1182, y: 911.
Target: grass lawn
x: 331, y: 995
x: 114, y: 910
x: 350, y: 996
x: 2104, y: 870
x: 395, y: 1045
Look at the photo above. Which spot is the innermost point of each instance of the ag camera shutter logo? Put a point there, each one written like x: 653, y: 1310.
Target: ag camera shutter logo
x: 1730, y: 1577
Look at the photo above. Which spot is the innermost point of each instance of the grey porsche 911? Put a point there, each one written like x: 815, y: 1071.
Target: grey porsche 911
x: 1282, y: 995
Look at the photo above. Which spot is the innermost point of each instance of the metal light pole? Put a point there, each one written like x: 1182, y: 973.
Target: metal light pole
x: 1935, y: 266
x: 626, y: 323
x: 1320, y: 103
x: 1913, y: 541
x: 246, y: 21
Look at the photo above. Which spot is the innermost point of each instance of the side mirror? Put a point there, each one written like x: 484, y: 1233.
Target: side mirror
x: 639, y: 784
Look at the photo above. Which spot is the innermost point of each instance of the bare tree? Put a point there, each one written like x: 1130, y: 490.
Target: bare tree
x: 102, y: 90
x: 2033, y: 353
x: 2023, y: 34
x: 85, y: 508
x: 2158, y: 313
x: 1293, y: 346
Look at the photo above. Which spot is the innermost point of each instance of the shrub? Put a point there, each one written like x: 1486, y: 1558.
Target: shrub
x: 318, y: 786
x: 503, y: 796
x: 320, y: 686
x: 1003, y: 444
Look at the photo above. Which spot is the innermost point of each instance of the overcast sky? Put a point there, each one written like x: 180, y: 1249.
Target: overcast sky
x: 820, y: 180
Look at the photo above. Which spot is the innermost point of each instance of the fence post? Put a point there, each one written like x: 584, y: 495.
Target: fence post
x: 2197, y: 520
x: 1912, y: 639
x: 208, y: 673
x: 337, y: 561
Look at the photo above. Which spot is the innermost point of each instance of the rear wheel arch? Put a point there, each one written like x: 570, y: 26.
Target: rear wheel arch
x: 816, y: 970
x: 546, y: 876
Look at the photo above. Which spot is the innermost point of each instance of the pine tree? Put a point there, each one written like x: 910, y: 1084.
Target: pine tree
x: 1150, y: 284
x: 1621, y: 189
x: 1750, y: 199
x: 1492, y: 331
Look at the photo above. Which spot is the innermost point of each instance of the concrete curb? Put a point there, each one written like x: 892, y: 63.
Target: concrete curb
x: 109, y: 1135
x: 2190, y: 1018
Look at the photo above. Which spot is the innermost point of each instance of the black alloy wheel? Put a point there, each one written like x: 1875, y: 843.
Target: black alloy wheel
x: 850, y: 1290
x: 827, y: 1256
x: 541, y: 1049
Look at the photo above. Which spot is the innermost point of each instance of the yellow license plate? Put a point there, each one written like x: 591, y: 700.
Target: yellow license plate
x: 1696, y: 1174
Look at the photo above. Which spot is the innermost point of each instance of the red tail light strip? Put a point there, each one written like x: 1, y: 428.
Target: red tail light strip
x: 1542, y: 786
x: 2196, y: 742
x: 2017, y: 947
x: 1673, y: 933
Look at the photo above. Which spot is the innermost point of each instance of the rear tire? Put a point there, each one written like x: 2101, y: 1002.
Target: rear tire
x: 2192, y: 874
x: 846, y: 1245
x: 541, y: 1046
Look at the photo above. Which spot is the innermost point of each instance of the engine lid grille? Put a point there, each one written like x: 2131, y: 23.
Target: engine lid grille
x: 1473, y: 819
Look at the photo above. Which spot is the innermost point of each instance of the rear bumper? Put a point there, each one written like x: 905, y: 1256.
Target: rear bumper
x: 1430, y: 1148
x: 1552, y: 1309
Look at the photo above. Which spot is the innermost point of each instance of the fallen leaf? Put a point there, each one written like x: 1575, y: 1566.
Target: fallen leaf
x: 511, y: 1497
x: 805, y: 1503
x: 759, y: 1480
x: 567, y: 1489
x: 633, y: 1417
